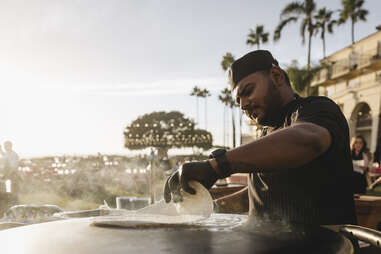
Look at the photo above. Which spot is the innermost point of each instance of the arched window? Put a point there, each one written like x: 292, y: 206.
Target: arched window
x: 361, y: 121
x: 363, y: 117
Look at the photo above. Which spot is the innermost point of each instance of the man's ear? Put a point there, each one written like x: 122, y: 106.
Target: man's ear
x: 277, y: 75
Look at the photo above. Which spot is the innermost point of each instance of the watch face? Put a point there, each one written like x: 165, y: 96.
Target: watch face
x: 219, y: 152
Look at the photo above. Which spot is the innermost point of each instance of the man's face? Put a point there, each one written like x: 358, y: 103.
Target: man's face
x: 259, y: 98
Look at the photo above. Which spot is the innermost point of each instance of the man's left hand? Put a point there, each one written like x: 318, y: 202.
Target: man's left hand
x: 201, y: 172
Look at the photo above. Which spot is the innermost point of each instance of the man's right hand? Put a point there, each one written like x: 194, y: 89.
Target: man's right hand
x: 201, y: 172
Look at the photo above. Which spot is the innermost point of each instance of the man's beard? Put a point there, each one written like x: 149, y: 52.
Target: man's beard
x: 273, y: 106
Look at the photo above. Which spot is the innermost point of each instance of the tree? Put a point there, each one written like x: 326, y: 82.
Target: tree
x: 197, y: 93
x: 165, y: 130
x: 204, y: 93
x: 291, y: 13
x: 227, y: 99
x: 324, y: 23
x: 226, y: 95
x: 301, y: 77
x: 227, y: 61
x: 352, y: 10
x: 257, y: 37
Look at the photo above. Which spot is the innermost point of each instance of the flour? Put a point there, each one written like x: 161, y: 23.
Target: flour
x: 193, y: 208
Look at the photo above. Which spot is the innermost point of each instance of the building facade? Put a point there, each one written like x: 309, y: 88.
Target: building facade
x: 352, y: 78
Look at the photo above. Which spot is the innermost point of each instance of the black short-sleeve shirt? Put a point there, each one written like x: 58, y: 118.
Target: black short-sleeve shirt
x: 318, y: 192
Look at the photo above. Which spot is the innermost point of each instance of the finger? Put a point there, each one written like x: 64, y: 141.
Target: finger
x: 167, y: 191
x: 186, y: 187
x: 216, y: 206
x: 175, y: 188
x: 173, y: 182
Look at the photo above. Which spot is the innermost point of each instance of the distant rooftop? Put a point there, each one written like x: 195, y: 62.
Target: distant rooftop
x: 378, y: 28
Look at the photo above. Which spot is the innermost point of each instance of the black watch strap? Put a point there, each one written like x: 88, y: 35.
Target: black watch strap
x: 224, y: 169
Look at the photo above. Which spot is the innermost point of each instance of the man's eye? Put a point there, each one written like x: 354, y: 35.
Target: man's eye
x: 247, y: 92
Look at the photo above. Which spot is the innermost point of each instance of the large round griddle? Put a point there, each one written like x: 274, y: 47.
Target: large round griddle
x: 221, y: 233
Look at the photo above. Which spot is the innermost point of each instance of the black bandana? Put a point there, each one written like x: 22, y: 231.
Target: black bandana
x: 258, y: 60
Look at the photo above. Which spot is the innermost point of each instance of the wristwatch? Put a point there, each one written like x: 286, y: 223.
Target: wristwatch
x: 224, y: 169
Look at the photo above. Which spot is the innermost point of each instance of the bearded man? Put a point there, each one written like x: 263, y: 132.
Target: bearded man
x: 295, y: 167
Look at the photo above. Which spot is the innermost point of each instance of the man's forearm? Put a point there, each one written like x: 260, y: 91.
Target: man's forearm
x: 287, y: 148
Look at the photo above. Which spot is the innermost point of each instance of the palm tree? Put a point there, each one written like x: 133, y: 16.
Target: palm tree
x: 301, y: 77
x: 226, y: 95
x: 227, y: 99
x: 352, y: 10
x: 324, y: 23
x: 227, y: 61
x: 205, y: 94
x: 291, y: 13
x: 196, y: 92
x: 257, y: 37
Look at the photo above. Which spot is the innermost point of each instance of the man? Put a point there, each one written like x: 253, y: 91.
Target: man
x: 10, y: 157
x: 11, y: 164
x: 300, y: 169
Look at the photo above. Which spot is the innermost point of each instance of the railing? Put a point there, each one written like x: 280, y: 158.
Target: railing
x: 351, y: 85
x: 364, y: 122
x: 339, y: 68
x: 369, y: 57
x: 355, y: 61
x: 365, y: 60
x: 320, y: 77
x: 350, y: 66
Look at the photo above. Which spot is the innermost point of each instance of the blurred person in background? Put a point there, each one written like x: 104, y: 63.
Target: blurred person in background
x: 361, y: 160
x: 11, y: 163
x: 375, y: 172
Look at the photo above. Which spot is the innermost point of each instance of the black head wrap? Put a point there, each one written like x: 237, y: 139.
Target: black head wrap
x: 258, y: 60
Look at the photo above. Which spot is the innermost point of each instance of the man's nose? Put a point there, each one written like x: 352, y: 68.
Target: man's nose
x: 244, y: 104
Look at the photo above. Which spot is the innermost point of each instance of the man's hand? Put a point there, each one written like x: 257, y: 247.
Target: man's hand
x: 197, y: 171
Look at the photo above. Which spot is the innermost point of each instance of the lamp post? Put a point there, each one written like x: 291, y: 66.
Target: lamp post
x: 152, y: 191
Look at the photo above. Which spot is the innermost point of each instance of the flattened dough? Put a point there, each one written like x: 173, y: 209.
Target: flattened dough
x: 193, y: 208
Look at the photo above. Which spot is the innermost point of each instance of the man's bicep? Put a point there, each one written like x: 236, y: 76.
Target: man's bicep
x: 320, y: 135
x: 328, y: 116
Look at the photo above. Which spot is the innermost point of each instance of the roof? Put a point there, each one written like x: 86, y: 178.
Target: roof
x: 370, y: 35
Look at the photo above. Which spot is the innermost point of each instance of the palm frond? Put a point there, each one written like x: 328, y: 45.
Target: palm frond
x: 259, y: 29
x: 331, y: 24
x: 344, y: 15
x: 292, y: 9
x: 195, y: 91
x: 265, y: 38
x: 309, y: 7
x: 321, y: 13
x: 252, y: 38
x: 281, y: 25
x: 227, y: 61
x: 359, y: 3
x: 257, y: 36
x: 361, y: 14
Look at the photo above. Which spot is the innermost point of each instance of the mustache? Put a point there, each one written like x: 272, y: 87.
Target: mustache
x: 250, y: 110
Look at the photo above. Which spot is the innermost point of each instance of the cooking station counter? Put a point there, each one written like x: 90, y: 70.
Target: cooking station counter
x: 368, y: 211
x: 221, y: 233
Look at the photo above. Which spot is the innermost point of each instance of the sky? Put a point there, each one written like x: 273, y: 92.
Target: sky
x: 74, y: 74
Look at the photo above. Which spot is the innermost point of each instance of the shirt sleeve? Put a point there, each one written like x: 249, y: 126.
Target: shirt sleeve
x: 325, y: 113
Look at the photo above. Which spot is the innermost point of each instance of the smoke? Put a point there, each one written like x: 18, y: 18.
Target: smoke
x: 76, y: 183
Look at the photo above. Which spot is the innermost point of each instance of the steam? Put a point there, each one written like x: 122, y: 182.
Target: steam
x: 76, y: 183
